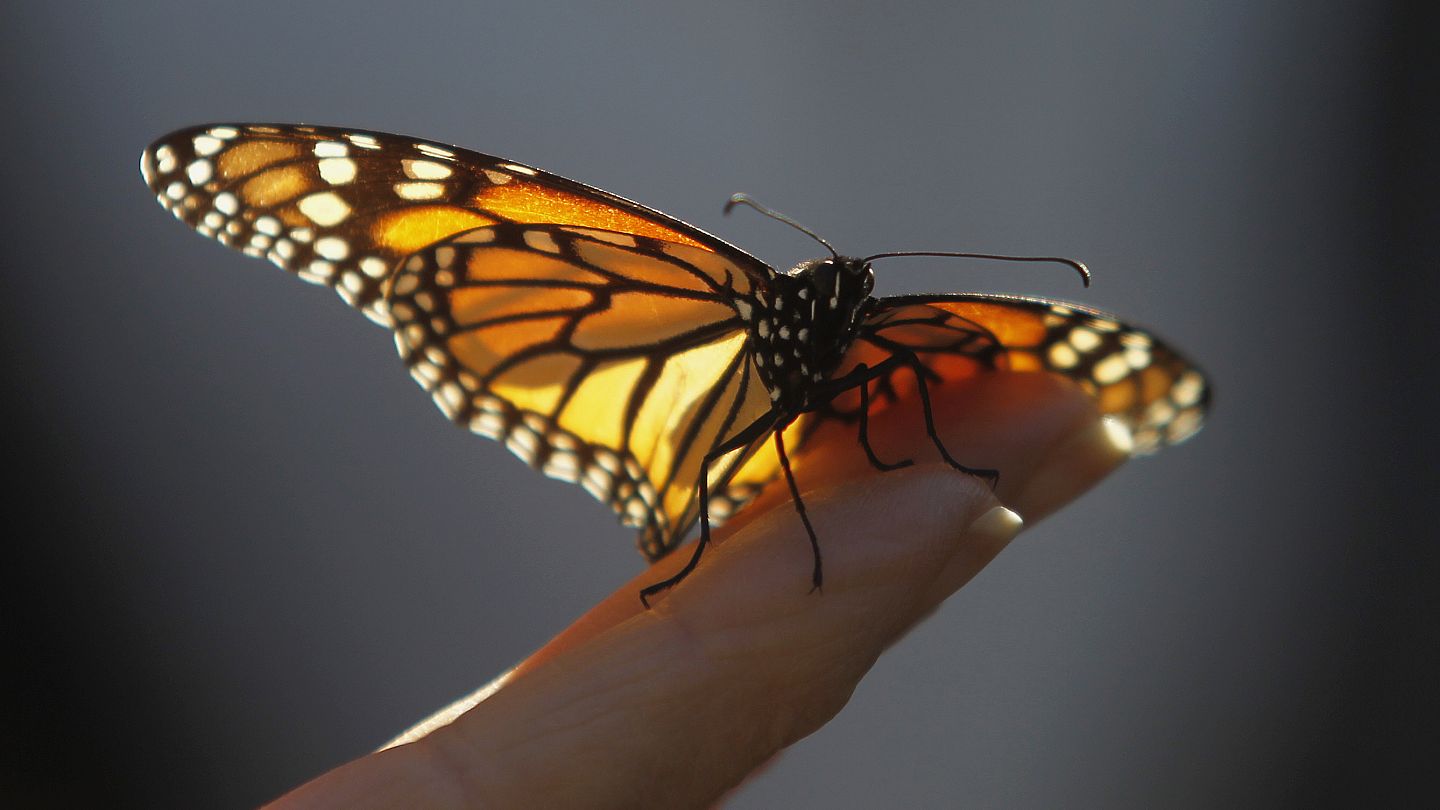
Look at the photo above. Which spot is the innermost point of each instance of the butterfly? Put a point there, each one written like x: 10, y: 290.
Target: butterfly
x: 607, y: 344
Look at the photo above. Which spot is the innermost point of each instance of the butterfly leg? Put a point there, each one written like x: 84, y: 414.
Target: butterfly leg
x: 993, y: 476
x: 742, y: 439
x: 816, y: 575
x: 865, y: 431
x: 860, y: 377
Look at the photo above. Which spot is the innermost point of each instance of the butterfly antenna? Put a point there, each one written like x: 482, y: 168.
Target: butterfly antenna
x: 744, y: 199
x: 1077, y: 265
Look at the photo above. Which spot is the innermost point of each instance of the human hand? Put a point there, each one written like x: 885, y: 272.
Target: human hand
x: 676, y: 705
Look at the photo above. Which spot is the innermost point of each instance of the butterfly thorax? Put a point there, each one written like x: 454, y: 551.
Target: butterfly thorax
x: 803, y: 325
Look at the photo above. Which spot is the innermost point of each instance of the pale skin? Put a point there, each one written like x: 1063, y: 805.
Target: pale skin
x: 676, y: 705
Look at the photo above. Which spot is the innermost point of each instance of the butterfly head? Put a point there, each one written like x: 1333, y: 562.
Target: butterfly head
x: 839, y: 283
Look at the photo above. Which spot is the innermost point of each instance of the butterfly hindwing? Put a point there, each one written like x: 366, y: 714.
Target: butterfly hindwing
x: 1133, y: 376
x: 607, y: 359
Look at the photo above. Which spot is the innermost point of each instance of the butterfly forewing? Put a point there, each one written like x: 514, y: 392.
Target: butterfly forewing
x: 1135, y: 378
x: 341, y: 207
x: 611, y: 360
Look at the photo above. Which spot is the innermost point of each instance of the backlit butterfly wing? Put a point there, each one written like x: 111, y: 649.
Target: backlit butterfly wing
x: 341, y: 207
x: 1134, y: 377
x: 602, y: 341
x: 610, y: 360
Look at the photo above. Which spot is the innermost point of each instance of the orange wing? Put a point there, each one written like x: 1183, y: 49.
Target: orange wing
x: 1133, y: 376
x: 610, y: 360
x: 341, y: 207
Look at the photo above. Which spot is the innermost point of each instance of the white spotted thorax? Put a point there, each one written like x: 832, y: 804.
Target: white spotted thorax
x: 802, y: 329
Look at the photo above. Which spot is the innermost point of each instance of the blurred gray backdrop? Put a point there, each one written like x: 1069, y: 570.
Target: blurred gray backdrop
x: 246, y: 548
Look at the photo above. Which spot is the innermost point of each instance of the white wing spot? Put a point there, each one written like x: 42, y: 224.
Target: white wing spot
x: 419, y: 191
x: 426, y: 374
x: 165, y: 159
x: 498, y: 178
x: 1159, y: 412
x: 337, y: 171
x: 1112, y: 369
x: 270, y: 226
x: 363, y: 141
x: 200, y: 172
x: 597, y: 482
x: 332, y: 247
x: 302, y: 235
x: 331, y: 149
x: 1186, y: 423
x: 224, y: 133
x: 1186, y: 391
x: 518, y: 169
x: 425, y: 169
x: 207, y: 145
x: 374, y: 267
x: 1138, y: 340
x: 1084, y: 339
x: 523, y: 443
x: 488, y: 425
x: 1063, y: 356
x: 213, y: 220
x: 227, y: 203
x: 324, y: 208
x: 449, y: 398
x: 435, y: 151
x: 405, y: 284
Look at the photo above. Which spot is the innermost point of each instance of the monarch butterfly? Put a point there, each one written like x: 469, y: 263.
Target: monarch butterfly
x: 613, y: 346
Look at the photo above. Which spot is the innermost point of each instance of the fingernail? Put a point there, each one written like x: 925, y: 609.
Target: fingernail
x: 986, y: 537
x: 1075, y: 465
x: 998, y: 526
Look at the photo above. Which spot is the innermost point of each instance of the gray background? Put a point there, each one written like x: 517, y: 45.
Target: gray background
x: 246, y: 549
